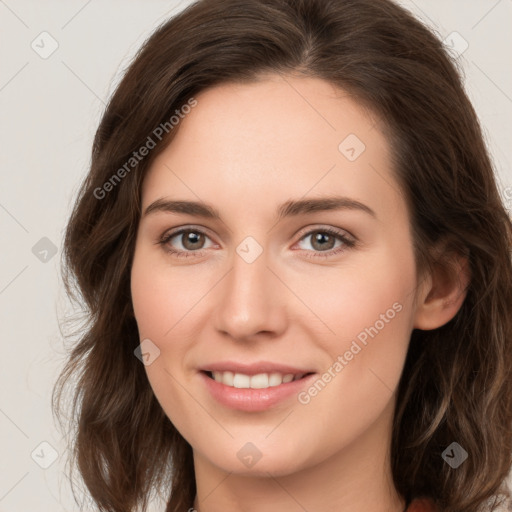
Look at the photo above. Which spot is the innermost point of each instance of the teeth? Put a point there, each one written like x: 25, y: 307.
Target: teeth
x: 259, y: 381
x: 241, y: 381
x: 274, y: 379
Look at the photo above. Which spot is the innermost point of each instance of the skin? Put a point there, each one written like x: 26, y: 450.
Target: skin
x: 246, y: 149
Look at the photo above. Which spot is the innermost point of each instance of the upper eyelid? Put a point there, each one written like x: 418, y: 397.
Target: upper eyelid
x: 338, y: 231
x: 171, y: 233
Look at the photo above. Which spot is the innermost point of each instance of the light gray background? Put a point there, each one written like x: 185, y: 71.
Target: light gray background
x: 49, y: 110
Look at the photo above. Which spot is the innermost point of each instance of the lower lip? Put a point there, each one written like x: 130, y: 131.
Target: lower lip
x: 253, y: 400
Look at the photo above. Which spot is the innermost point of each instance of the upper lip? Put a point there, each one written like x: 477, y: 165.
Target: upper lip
x: 254, y: 368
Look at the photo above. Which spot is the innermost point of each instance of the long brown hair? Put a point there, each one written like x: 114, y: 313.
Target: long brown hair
x: 456, y: 384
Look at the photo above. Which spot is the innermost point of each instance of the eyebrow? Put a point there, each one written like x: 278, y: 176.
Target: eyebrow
x: 287, y: 209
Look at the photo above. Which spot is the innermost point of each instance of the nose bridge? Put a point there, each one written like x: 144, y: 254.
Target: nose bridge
x: 250, y: 302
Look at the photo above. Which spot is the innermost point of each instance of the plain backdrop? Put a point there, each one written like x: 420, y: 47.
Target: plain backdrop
x: 50, y: 106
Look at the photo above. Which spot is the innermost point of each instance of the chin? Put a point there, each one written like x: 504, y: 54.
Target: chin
x: 274, y: 467
x: 258, y: 459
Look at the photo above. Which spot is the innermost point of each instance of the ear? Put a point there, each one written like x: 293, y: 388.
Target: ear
x: 442, y: 291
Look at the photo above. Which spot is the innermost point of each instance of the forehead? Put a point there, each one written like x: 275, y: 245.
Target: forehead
x: 274, y: 116
x: 279, y: 136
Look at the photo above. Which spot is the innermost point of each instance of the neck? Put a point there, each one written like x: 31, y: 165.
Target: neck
x: 357, y: 478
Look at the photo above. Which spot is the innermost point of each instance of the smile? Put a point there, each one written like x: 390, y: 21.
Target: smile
x: 258, y: 381
x: 257, y: 390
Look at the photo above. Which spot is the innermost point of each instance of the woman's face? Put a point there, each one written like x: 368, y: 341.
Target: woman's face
x: 281, y: 283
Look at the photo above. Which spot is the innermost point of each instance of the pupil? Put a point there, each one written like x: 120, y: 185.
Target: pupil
x: 320, y: 238
x: 192, y: 238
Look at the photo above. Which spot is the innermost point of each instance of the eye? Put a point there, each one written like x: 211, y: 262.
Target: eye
x: 323, y: 241
x: 191, y: 241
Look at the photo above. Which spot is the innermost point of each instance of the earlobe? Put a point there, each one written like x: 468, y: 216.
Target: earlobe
x: 443, y: 292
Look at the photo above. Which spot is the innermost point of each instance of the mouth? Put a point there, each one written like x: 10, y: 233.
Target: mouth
x: 257, y: 390
x: 257, y: 381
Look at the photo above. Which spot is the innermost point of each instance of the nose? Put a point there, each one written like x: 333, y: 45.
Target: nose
x: 252, y: 300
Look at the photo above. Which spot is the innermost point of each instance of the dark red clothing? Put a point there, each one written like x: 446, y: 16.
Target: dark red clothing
x: 421, y: 505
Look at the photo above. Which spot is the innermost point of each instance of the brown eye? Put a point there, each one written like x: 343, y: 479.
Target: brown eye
x: 185, y: 242
x: 322, y: 241
x: 192, y: 240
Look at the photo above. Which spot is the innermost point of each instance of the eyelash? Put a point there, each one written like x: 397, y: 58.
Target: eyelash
x: 347, y: 243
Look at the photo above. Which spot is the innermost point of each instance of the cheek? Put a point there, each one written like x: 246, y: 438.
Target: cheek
x: 161, y: 298
x: 160, y: 313
x: 166, y: 305
x: 357, y: 296
x: 369, y: 311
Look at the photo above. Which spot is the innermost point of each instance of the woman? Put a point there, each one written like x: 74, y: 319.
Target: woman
x: 291, y: 220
